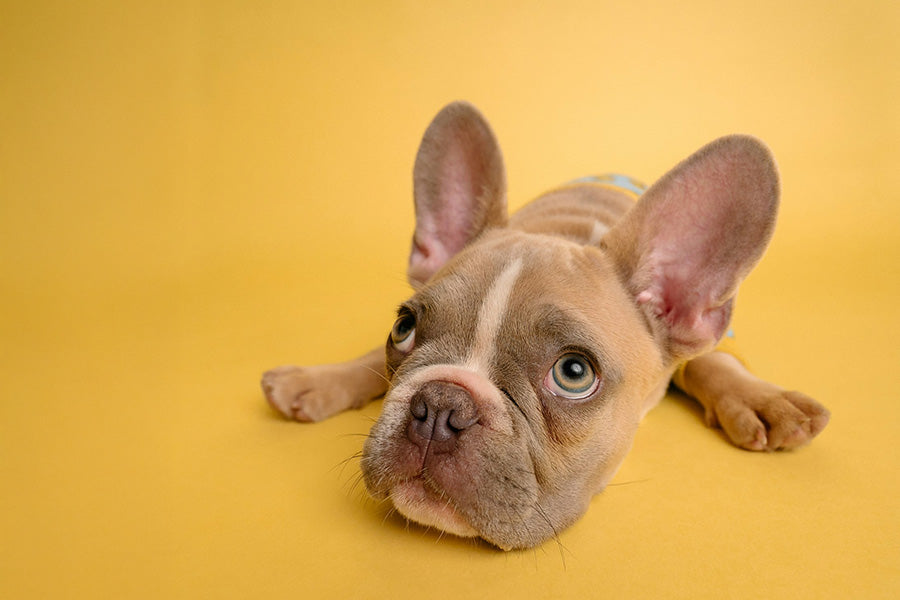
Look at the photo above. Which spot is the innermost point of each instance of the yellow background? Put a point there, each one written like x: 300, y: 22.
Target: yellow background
x: 192, y: 192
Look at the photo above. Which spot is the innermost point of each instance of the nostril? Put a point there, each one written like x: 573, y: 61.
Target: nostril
x: 440, y: 412
x: 421, y: 426
x: 459, y: 420
x: 419, y: 409
x: 448, y: 424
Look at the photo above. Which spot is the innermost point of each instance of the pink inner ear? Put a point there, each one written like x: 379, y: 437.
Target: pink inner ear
x: 463, y: 177
x: 459, y: 187
x: 445, y: 226
x: 695, y: 235
x: 694, y: 319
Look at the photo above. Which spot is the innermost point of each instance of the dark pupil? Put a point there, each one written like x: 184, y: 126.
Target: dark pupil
x: 573, y: 369
x: 404, y: 325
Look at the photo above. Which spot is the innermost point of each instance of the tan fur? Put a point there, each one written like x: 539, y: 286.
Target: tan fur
x: 571, y: 212
x: 475, y: 437
x: 314, y: 393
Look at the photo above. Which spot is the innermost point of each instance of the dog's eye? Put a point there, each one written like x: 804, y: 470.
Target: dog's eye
x: 572, y: 377
x: 403, y: 335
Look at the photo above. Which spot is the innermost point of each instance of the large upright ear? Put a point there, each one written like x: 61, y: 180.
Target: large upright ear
x: 693, y: 236
x: 459, y: 185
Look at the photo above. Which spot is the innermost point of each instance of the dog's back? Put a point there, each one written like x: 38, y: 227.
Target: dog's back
x: 581, y: 211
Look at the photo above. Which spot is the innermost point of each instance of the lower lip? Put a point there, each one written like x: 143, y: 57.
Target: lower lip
x: 417, y: 504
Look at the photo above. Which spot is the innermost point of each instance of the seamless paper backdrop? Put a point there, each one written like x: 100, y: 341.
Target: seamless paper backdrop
x: 193, y: 192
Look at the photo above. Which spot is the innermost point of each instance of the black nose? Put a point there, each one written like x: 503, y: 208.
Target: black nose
x: 440, y: 412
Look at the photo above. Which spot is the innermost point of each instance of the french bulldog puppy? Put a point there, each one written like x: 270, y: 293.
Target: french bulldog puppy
x: 516, y: 375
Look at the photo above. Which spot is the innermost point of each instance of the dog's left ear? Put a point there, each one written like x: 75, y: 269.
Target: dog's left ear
x: 693, y: 236
x: 459, y: 185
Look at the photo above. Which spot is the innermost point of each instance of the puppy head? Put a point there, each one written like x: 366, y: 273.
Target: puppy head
x: 522, y: 365
x: 513, y: 401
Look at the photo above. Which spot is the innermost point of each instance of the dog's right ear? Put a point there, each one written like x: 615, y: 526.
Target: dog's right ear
x: 459, y: 185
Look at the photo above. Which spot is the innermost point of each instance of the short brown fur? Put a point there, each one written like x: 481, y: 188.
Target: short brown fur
x: 581, y: 284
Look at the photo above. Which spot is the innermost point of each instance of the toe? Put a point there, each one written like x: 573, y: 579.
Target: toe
x: 788, y: 426
x: 274, y: 390
x: 743, y: 426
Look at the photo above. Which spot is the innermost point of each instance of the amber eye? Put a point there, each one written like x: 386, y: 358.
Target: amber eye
x: 403, y: 335
x: 572, y: 376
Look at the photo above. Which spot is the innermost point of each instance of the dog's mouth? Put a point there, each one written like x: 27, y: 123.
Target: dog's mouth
x: 416, y: 499
x: 446, y: 454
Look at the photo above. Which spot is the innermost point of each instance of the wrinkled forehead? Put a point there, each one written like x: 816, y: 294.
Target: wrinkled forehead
x: 515, y: 289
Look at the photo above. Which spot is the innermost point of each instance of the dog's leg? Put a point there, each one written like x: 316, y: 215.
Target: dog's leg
x: 318, y: 392
x: 755, y: 414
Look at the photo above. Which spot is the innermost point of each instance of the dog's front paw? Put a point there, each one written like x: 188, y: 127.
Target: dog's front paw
x: 305, y: 393
x: 765, y: 417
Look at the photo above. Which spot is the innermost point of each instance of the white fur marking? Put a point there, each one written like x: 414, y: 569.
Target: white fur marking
x: 597, y: 232
x: 490, y: 316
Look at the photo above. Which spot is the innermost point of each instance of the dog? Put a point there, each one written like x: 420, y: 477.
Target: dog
x: 516, y: 375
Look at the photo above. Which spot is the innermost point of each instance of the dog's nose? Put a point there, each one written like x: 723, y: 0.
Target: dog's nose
x: 440, y: 412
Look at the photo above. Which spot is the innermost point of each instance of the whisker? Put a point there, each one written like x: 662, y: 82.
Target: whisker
x: 619, y: 483
x: 556, y: 538
x: 343, y: 464
x: 392, y: 370
x: 356, y: 434
x: 354, y: 487
x: 377, y: 372
x: 377, y: 502
x: 389, y: 514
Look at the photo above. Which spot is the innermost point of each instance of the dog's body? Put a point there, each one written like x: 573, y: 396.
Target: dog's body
x: 518, y: 372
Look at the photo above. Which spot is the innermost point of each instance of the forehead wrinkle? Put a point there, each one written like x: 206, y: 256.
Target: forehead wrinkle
x: 567, y: 327
x: 445, y: 297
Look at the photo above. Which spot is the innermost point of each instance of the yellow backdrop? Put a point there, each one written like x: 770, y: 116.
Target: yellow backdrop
x: 193, y: 192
